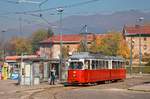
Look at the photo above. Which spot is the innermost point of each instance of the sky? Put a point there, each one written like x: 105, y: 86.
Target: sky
x: 10, y: 21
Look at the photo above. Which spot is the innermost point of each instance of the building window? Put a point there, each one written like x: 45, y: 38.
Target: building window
x: 145, y: 47
x: 145, y: 38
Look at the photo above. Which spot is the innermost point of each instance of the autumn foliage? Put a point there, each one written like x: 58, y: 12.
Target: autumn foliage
x: 21, y: 45
x: 111, y: 44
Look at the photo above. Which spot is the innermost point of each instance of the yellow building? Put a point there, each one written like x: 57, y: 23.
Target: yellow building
x: 140, y: 38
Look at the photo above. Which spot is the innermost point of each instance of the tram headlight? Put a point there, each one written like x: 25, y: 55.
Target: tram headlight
x: 74, y: 72
x: 74, y: 75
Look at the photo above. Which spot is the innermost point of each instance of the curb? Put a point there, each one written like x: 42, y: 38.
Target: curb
x: 141, y: 90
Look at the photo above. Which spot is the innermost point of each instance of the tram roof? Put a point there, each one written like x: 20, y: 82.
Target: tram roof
x: 87, y: 55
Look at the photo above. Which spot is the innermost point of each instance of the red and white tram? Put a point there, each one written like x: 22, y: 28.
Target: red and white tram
x: 86, y: 67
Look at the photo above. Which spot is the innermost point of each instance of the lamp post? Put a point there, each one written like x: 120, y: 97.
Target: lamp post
x: 131, y: 55
x: 140, y: 50
x: 60, y: 11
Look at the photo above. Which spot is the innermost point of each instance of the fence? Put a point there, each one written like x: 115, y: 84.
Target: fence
x: 137, y: 69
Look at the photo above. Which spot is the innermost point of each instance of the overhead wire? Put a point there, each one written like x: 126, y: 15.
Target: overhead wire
x: 48, y: 9
x: 10, y: 1
x: 42, y: 4
x: 53, y: 8
x: 20, y: 1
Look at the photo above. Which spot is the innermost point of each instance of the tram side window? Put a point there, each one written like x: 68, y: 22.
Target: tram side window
x: 76, y: 65
x: 114, y: 64
x: 96, y: 64
x: 117, y: 64
x: 87, y: 64
x: 106, y: 64
x: 120, y: 64
x: 93, y: 64
x: 100, y: 65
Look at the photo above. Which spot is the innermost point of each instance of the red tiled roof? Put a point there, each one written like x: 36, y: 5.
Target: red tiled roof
x: 137, y: 30
x: 68, y: 38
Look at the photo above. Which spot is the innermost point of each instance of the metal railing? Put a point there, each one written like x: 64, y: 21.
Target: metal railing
x: 138, y: 69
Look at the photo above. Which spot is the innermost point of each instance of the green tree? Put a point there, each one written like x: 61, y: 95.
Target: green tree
x: 38, y: 36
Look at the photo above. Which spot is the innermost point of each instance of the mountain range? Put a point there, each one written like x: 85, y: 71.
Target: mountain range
x: 97, y: 23
x: 101, y: 23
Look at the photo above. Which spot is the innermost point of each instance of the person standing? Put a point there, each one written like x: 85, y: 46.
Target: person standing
x: 52, y: 76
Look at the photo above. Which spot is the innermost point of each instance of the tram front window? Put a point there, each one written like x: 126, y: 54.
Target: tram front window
x: 76, y: 65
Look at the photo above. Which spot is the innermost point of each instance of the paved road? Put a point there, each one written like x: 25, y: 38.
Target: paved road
x: 102, y: 94
x: 9, y: 89
x: 116, y: 90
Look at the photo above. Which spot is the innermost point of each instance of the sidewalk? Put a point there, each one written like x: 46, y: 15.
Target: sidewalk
x: 145, y: 87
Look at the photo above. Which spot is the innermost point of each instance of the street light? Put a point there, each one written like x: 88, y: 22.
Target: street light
x: 60, y: 11
x: 131, y: 46
x: 140, y: 50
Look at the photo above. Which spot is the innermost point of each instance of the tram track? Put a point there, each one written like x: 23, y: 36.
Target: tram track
x: 55, y: 93
x: 52, y: 92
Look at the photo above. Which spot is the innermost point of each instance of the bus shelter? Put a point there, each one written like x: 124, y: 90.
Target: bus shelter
x: 33, y: 71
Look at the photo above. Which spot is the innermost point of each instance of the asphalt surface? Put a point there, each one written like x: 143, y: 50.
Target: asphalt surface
x: 114, y: 90
x: 102, y: 94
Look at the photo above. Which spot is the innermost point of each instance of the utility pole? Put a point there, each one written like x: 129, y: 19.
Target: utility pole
x: 86, y: 42
x: 140, y: 54
x: 131, y: 55
x: 140, y: 50
x: 60, y: 11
